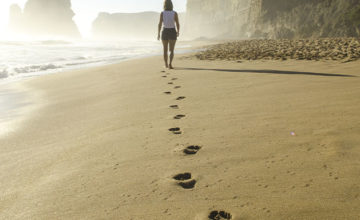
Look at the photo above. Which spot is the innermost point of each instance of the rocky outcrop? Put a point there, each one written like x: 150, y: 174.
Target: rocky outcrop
x: 273, y: 18
x: 308, y: 19
x: 134, y: 26
x: 216, y: 18
x: 44, y: 18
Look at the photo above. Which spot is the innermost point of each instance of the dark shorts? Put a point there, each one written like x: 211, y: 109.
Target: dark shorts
x: 169, y: 34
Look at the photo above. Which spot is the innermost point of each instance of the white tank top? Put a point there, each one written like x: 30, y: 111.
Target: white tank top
x: 169, y: 19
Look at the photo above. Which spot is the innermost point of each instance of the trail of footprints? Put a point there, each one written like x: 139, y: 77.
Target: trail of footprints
x: 185, y: 180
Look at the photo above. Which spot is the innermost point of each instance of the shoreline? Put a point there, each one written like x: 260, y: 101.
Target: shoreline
x: 25, y: 111
x: 101, y: 146
x: 52, y: 67
x: 19, y: 112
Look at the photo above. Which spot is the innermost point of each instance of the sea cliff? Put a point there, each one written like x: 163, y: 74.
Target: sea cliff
x: 273, y: 18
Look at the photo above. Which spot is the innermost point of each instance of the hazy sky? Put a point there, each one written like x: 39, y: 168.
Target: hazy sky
x: 87, y: 10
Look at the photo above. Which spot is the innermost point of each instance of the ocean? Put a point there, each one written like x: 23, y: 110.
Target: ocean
x: 20, y: 60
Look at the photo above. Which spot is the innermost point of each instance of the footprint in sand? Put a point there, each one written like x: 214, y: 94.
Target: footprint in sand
x: 175, y: 130
x: 170, y: 83
x: 174, y: 79
x: 180, y: 98
x: 193, y: 149
x: 185, y: 181
x: 182, y: 176
x: 167, y: 93
x: 163, y: 71
x: 163, y: 76
x: 177, y: 87
x: 179, y: 116
x: 174, y: 106
x: 218, y: 215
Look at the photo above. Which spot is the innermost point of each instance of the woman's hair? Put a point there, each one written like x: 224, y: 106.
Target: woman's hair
x: 168, y: 5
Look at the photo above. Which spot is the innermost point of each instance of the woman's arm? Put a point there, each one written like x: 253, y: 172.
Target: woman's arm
x: 177, y: 24
x: 160, y: 25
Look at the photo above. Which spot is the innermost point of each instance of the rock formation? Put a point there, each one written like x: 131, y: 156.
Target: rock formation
x: 134, y: 26
x: 216, y: 18
x: 308, y: 18
x: 44, y: 18
x: 273, y: 18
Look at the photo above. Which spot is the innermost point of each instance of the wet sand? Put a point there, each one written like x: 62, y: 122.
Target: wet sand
x: 249, y: 140
x: 15, y: 106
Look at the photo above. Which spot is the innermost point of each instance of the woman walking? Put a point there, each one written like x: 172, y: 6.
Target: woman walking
x: 168, y: 19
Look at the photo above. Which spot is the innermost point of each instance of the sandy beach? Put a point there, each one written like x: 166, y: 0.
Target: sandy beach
x: 254, y: 139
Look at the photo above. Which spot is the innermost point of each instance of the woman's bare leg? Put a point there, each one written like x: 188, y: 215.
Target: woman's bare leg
x: 165, y: 44
x: 171, y: 48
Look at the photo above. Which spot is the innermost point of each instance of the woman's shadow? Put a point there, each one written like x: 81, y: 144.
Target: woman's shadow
x: 267, y: 72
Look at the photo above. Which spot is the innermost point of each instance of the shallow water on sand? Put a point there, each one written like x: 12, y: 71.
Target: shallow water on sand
x: 14, y: 104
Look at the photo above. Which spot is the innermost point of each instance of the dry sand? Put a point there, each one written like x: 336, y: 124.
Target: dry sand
x: 279, y: 140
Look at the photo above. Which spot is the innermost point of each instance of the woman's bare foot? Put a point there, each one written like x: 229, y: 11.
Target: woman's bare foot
x: 171, y: 67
